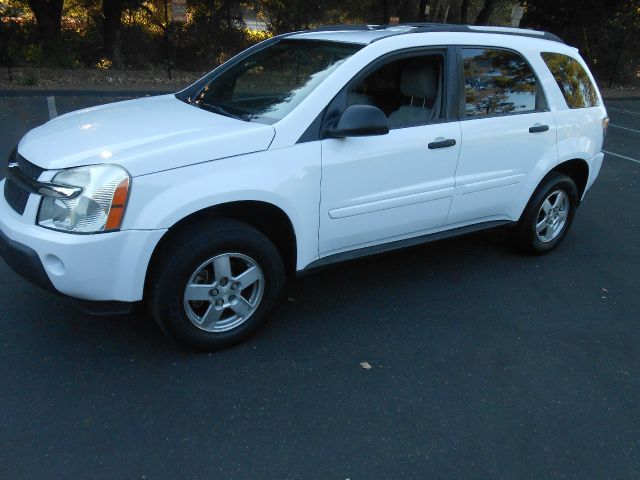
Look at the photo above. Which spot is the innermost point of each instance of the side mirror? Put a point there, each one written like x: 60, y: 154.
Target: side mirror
x: 359, y: 121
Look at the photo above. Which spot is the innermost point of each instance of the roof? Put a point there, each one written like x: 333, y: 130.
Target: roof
x: 365, y: 34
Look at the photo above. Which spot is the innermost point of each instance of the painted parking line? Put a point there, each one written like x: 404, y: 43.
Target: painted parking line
x: 621, y: 156
x: 624, y: 128
x: 616, y: 109
x: 51, y: 103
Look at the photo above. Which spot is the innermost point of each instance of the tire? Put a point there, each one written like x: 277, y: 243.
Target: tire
x: 220, y: 307
x: 537, y: 231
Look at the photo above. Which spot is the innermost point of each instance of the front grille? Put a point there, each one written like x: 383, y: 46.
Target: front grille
x: 28, y: 168
x: 15, y: 196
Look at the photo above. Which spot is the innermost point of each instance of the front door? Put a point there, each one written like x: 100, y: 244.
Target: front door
x: 377, y: 189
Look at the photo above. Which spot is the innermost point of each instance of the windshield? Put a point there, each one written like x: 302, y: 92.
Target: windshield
x: 268, y: 84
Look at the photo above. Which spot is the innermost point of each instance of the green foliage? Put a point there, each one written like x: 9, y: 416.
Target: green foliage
x: 33, y: 54
x: 26, y: 80
x: 605, y: 32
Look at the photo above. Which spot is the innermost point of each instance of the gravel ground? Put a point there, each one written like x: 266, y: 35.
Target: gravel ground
x: 95, y: 79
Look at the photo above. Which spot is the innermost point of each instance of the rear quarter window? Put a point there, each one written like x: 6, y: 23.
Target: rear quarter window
x: 571, y: 77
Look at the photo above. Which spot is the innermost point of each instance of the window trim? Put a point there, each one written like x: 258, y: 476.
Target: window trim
x: 195, y: 89
x: 462, y: 104
x: 334, y: 107
x: 317, y: 127
x: 591, y: 81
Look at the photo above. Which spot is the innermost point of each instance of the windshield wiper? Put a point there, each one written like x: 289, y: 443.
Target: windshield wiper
x: 213, y: 108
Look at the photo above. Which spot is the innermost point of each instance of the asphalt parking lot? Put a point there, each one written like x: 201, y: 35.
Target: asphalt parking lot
x: 485, y: 363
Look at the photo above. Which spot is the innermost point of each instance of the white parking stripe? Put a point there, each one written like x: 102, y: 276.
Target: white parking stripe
x: 621, y: 156
x: 624, y: 128
x: 51, y: 103
x: 616, y: 109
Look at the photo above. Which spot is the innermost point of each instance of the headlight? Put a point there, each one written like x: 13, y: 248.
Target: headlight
x: 100, y: 206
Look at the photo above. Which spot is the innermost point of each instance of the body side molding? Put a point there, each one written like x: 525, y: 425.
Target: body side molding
x: 398, y: 244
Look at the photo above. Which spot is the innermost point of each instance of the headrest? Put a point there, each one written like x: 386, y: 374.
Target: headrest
x: 420, y: 80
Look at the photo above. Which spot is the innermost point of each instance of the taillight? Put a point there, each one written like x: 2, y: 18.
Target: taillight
x: 605, y: 125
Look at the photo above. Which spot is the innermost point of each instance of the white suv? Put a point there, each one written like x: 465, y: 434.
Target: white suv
x: 306, y: 149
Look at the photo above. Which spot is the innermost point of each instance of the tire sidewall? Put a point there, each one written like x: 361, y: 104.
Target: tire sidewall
x: 168, y: 297
x: 528, y: 222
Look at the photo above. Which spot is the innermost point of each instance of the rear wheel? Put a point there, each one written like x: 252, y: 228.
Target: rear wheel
x: 214, y: 288
x: 548, y: 215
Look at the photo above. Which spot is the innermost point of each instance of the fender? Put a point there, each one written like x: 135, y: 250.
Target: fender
x: 548, y: 162
x: 288, y: 178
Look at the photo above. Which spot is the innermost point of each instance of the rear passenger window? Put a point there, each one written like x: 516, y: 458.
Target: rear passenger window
x: 497, y: 82
x: 572, y: 79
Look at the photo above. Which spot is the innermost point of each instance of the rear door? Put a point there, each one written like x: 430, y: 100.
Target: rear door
x: 506, y: 131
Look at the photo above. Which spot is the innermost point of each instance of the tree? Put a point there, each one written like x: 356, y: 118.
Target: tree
x: 287, y: 15
x: 422, y: 16
x: 385, y: 12
x: 605, y: 32
x: 487, y: 11
x: 464, y: 11
x: 48, y: 15
x: 112, y: 11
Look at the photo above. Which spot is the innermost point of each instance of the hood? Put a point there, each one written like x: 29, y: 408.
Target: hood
x: 144, y: 136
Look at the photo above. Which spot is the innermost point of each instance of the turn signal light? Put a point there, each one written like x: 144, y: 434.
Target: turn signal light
x: 116, y: 212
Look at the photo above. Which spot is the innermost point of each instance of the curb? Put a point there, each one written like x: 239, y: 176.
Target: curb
x: 622, y: 99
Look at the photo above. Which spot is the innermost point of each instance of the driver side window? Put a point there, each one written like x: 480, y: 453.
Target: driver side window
x: 408, y: 90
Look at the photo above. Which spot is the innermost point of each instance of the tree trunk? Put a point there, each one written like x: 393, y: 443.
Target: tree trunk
x: 422, y: 17
x: 464, y: 12
x: 385, y: 12
x: 112, y: 21
x: 48, y: 15
x: 614, y: 70
x: 433, y: 12
x: 487, y: 11
x: 6, y: 49
x: 453, y: 15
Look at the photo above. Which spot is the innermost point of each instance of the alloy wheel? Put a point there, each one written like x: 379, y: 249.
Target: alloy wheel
x: 552, y: 216
x: 223, y: 292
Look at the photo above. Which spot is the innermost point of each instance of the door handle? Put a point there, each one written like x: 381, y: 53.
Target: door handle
x: 442, y: 143
x: 537, y: 128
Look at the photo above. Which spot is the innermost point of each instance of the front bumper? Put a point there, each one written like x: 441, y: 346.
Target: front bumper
x: 95, y: 267
x: 25, y: 262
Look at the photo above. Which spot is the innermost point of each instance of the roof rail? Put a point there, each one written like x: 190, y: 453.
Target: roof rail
x: 343, y: 27
x: 441, y: 27
x: 521, y: 32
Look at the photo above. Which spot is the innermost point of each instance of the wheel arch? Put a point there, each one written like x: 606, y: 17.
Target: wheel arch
x: 578, y: 170
x: 265, y: 217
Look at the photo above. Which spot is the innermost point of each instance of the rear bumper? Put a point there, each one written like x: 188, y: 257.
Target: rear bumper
x: 594, y: 170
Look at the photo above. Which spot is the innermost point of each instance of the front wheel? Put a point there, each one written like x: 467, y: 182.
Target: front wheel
x: 548, y: 215
x: 215, y: 284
